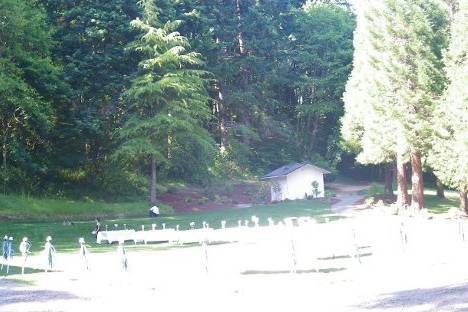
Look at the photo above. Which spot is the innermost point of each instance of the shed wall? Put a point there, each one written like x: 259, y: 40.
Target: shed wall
x: 299, y: 183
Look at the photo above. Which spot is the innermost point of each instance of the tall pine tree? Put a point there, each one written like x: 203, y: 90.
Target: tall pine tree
x: 407, y: 39
x: 450, y: 147
x: 410, y: 36
x: 168, y: 102
x: 365, y: 130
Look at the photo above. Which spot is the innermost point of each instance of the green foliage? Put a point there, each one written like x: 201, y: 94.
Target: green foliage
x: 396, y: 79
x: 90, y: 91
x: 374, y: 190
x: 321, y: 51
x: 330, y: 194
x: 168, y: 104
x: 28, y: 80
x: 450, y: 147
x: 91, y: 37
x: 413, y: 86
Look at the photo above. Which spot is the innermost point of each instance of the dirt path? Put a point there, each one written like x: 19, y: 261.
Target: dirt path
x: 348, y: 196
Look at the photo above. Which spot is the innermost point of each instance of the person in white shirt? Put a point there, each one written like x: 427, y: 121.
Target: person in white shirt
x: 154, y: 211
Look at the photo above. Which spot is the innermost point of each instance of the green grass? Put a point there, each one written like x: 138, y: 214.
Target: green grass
x: 14, y: 270
x: 24, y: 208
x: 373, y: 190
x: 440, y: 205
x: 433, y: 203
x: 65, y: 238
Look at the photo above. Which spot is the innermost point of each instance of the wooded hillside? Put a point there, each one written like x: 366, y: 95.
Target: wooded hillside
x: 107, y: 98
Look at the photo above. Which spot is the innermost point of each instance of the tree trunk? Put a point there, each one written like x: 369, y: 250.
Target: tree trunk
x: 312, y: 136
x: 4, y: 162
x: 440, y: 189
x: 239, y: 25
x: 417, y: 190
x: 388, y: 180
x: 464, y: 201
x: 153, y: 182
x: 222, y: 123
x: 402, y: 199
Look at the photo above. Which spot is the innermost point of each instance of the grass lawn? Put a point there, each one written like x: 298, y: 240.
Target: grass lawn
x: 433, y: 203
x: 15, y: 207
x: 440, y: 205
x: 65, y: 238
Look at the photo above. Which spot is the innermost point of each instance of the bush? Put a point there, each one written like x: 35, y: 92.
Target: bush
x: 161, y: 189
x: 209, y: 192
x: 315, y: 189
x: 203, y: 201
x: 172, y: 189
x: 228, y: 189
x: 218, y: 199
x: 261, y: 192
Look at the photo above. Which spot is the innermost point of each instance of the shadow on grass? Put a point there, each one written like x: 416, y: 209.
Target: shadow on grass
x: 344, y: 256
x: 15, y: 270
x: 267, y: 272
x: 10, y: 294
x: 447, y: 298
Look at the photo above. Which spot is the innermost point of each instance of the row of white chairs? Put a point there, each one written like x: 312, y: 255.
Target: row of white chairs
x: 205, y: 234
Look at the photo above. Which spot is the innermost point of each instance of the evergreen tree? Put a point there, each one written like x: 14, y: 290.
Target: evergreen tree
x: 365, y: 130
x: 168, y: 101
x: 450, y: 148
x: 410, y: 62
x: 407, y: 38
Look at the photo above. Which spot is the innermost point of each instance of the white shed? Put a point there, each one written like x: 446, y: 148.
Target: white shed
x: 296, y: 181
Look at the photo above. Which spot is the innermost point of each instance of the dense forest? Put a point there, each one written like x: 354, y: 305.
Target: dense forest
x: 108, y: 97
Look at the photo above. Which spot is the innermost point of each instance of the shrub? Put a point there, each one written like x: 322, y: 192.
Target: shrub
x: 315, y: 189
x: 218, y: 199
x: 203, y: 201
x: 261, y: 192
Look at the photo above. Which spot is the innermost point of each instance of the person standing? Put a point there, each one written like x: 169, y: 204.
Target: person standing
x: 49, y: 252
x: 24, y: 249
x: 97, y: 229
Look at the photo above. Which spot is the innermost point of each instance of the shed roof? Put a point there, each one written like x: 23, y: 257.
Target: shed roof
x: 287, y: 169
